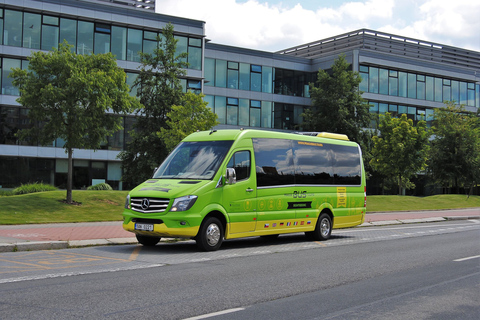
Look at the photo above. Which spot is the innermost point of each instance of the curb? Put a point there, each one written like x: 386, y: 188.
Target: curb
x: 51, y: 245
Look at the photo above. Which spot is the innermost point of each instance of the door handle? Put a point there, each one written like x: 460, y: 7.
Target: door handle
x: 249, y: 190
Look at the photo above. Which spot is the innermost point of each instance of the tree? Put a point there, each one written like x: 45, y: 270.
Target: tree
x: 192, y: 115
x: 68, y: 96
x: 455, y: 153
x: 400, y: 152
x: 337, y: 104
x: 158, y: 89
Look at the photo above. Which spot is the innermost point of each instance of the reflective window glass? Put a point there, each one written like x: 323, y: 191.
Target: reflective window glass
x: 446, y: 90
x: 438, y: 90
x: 402, y: 110
x: 267, y: 80
x: 421, y: 87
x: 383, y: 81
x: 232, y: 75
x: 209, y: 72
x: 131, y: 77
x: 195, y: 58
x: 232, y: 111
x: 149, y: 42
x: 85, y: 37
x: 266, y: 114
x: 7, y: 86
x: 412, y: 85
x: 346, y: 165
x: 463, y: 93
x: 364, y: 84
x: 182, y: 46
x: 429, y: 88
x: 13, y: 21
x: 221, y: 109
x: 134, y: 44
x: 455, y: 86
x: 102, y: 38
x: 49, y: 37
x: 119, y: 42
x: 274, y: 162
x: 220, y: 73
x: 373, y: 80
x: 211, y: 101
x: 240, y: 161
x: 256, y: 81
x: 402, y: 84
x: 393, y: 83
x: 68, y: 31
x: 243, y: 112
x: 1, y: 26
x: 244, y: 78
x: 471, y: 94
x: 255, y: 113
x: 313, y: 163
x: 31, y: 30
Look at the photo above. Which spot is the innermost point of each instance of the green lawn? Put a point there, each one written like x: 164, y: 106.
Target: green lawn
x: 48, y: 207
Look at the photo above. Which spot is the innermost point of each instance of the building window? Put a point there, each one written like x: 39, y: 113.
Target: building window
x: 256, y: 78
x: 220, y: 73
x: 31, y: 30
x: 195, y: 53
x: 221, y: 109
x: 232, y: 111
x: 50, y: 30
x: 102, y: 38
x: 232, y: 75
x: 68, y: 31
x: 85, y: 37
x: 119, y: 42
x: 13, y: 21
x: 255, y: 108
x: 134, y: 44
x: 209, y: 72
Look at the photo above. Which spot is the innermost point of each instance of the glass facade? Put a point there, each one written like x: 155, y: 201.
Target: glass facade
x: 257, y: 78
x: 418, y: 86
x: 37, y: 31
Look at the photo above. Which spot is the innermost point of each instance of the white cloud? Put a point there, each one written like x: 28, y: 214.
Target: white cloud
x: 271, y: 26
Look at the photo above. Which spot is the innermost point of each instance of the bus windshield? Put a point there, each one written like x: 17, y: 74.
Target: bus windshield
x: 197, y: 160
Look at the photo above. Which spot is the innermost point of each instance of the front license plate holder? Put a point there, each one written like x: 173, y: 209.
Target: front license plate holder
x: 144, y: 226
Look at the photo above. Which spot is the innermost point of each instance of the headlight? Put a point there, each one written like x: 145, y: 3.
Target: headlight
x: 127, y: 202
x: 183, y: 203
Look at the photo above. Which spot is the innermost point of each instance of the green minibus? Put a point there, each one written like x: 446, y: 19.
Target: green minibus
x: 226, y: 184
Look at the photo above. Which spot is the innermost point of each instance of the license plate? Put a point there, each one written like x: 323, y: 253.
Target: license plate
x: 144, y: 226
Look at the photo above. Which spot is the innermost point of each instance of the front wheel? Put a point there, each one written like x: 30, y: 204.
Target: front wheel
x: 147, y: 241
x: 323, y: 229
x: 210, y: 235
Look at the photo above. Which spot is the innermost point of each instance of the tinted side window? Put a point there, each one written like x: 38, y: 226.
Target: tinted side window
x: 274, y: 162
x: 346, y: 165
x: 313, y: 163
x: 240, y: 161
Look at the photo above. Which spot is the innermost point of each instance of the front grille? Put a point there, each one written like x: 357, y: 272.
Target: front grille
x: 149, y: 205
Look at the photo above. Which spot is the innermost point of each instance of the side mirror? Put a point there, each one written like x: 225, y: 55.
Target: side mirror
x: 154, y: 170
x: 230, y: 176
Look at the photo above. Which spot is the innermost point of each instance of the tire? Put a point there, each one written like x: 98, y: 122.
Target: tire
x: 147, y: 241
x: 323, y: 229
x: 210, y: 236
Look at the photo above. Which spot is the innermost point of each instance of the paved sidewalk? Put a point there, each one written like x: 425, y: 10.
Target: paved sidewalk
x: 67, y: 235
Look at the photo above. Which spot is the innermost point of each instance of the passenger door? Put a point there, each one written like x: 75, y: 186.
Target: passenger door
x: 240, y: 198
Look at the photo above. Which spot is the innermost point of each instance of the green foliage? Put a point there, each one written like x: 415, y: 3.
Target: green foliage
x: 455, y: 153
x: 400, y: 152
x: 192, y: 115
x: 158, y: 89
x: 68, y: 96
x: 337, y: 104
x: 33, y: 187
x: 100, y: 186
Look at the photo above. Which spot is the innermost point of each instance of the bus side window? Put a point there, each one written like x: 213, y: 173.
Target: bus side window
x: 240, y: 161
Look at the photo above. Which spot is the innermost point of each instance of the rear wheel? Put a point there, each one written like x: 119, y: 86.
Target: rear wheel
x: 323, y: 229
x: 147, y: 240
x: 210, y: 235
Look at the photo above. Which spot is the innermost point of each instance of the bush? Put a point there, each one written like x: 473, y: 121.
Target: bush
x: 33, y: 187
x: 100, y: 186
x: 5, y: 193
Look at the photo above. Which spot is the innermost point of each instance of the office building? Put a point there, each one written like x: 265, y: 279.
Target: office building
x: 244, y: 87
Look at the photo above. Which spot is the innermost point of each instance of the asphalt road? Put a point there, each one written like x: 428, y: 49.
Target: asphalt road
x: 424, y: 271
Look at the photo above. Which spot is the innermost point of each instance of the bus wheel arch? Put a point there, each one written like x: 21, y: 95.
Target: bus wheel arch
x: 212, y: 232
x: 323, y: 228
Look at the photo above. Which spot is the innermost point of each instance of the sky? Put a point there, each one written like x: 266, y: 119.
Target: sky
x: 280, y: 24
